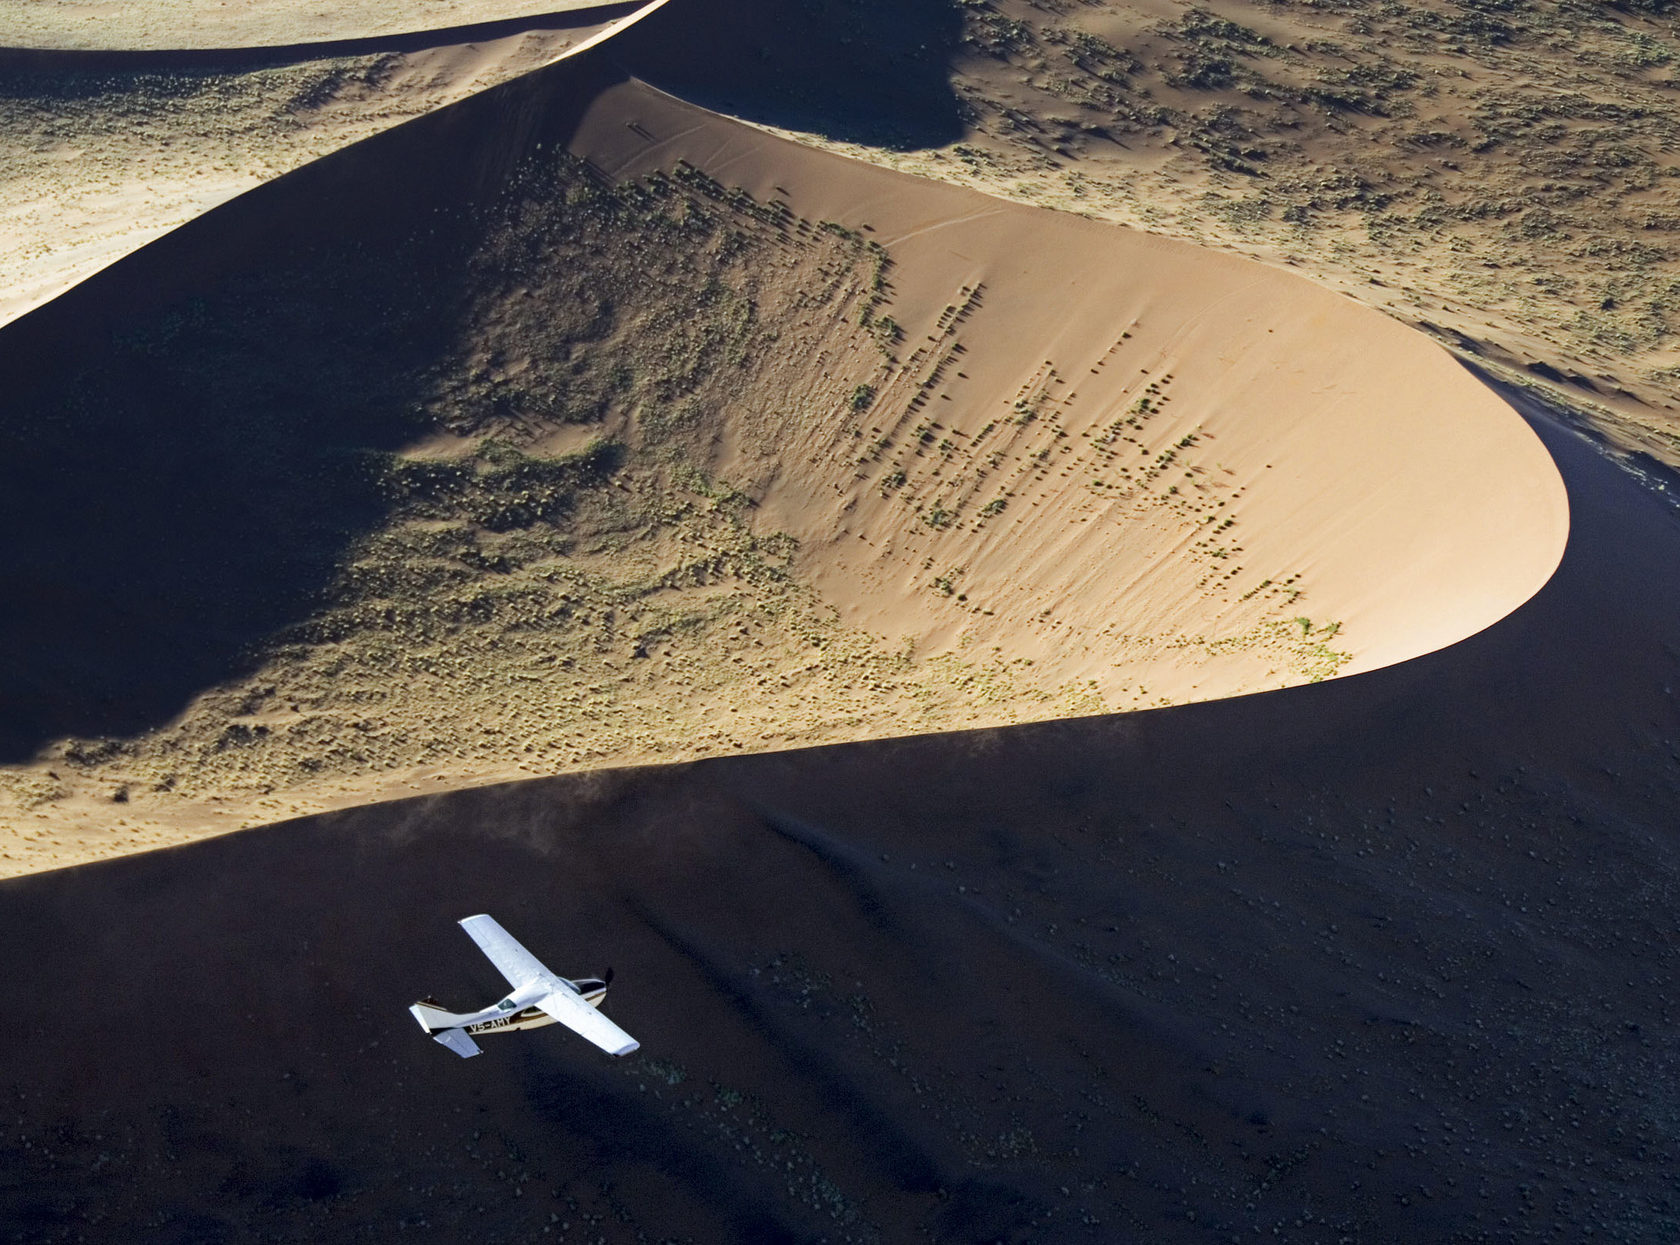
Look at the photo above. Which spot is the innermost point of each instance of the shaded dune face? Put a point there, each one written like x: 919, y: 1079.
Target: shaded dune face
x: 186, y: 471
x: 1033, y: 448
x: 870, y: 71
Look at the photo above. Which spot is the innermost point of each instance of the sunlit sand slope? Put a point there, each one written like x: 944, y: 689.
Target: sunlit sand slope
x: 1387, y: 958
x: 1111, y: 453
x: 158, y: 24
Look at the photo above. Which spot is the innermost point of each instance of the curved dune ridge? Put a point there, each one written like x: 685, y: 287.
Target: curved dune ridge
x: 1067, y: 359
x: 156, y: 25
x: 1005, y: 464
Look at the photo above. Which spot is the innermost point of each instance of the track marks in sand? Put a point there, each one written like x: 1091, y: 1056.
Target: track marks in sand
x: 1123, y: 463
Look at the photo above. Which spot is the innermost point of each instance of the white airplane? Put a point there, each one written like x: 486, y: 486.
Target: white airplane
x: 539, y: 998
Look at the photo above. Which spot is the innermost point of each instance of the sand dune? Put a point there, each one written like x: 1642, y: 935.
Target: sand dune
x: 1021, y: 465
x: 1352, y: 454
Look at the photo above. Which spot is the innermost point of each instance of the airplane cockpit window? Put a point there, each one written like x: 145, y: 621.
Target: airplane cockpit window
x: 506, y: 1005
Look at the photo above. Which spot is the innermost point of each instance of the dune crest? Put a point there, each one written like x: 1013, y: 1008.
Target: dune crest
x: 196, y: 126
x: 151, y: 25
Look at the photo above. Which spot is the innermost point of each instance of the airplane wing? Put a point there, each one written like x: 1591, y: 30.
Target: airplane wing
x: 570, y: 1010
x: 518, y: 965
x: 458, y: 1041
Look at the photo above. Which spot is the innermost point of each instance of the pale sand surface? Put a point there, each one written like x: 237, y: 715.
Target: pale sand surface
x: 167, y: 24
x: 1339, y: 495
x: 1349, y: 452
x: 104, y: 157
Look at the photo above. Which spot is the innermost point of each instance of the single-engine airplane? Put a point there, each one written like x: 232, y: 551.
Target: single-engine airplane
x: 539, y: 998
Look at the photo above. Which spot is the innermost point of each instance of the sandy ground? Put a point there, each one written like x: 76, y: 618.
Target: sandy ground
x: 104, y: 155
x: 1390, y: 957
x: 1082, y: 470
x: 170, y: 24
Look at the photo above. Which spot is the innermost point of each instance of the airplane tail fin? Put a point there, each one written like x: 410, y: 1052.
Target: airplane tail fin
x: 432, y: 1016
x: 444, y: 1027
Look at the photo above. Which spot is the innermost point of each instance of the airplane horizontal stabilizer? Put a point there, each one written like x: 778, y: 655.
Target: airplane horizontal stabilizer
x: 457, y: 1041
x: 432, y: 1017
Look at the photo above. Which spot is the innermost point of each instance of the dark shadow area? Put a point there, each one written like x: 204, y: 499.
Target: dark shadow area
x: 1395, y: 948
x: 1387, y: 958
x: 865, y: 71
x: 185, y: 439
x: 172, y: 497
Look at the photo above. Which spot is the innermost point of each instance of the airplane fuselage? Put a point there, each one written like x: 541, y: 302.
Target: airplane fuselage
x: 593, y: 992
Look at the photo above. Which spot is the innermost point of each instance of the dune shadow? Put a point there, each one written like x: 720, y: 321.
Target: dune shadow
x: 167, y: 500
x: 1135, y: 969
x: 871, y: 71
x: 191, y: 439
